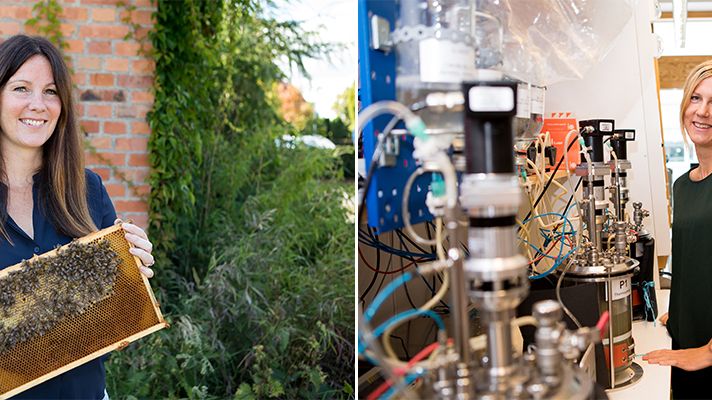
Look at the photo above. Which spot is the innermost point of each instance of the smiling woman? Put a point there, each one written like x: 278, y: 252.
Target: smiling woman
x: 690, y: 319
x: 47, y: 197
x: 30, y: 105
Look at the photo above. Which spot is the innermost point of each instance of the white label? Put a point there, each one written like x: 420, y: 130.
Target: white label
x: 523, y: 100
x: 605, y: 127
x: 630, y: 135
x: 443, y: 61
x: 621, y: 288
x: 537, y: 94
x: 491, y: 98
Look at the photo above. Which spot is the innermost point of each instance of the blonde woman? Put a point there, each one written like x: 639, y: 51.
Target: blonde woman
x: 689, y: 318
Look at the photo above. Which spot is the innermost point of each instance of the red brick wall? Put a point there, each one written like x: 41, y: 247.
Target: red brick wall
x: 113, y: 81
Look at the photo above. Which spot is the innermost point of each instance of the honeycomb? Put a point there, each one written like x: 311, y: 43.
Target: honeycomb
x: 116, y: 318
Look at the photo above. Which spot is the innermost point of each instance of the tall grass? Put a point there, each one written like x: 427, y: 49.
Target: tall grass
x: 273, y: 315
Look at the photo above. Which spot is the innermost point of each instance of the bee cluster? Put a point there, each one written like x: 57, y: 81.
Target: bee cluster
x: 47, y: 290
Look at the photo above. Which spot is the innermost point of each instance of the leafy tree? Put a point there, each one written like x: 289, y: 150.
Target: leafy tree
x: 254, y: 248
x: 345, y: 107
x: 292, y: 106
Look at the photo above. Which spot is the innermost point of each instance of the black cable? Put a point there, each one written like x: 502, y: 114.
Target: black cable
x: 405, y: 286
x: 548, y: 183
x: 401, y: 236
x: 568, y: 203
x: 432, y: 249
x: 462, y: 245
x: 368, y: 239
x: 405, y: 348
x: 362, y: 297
x: 375, y: 274
x: 371, y: 172
x: 406, y: 237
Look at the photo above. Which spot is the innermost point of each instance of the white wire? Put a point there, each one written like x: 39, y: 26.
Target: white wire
x: 434, y: 300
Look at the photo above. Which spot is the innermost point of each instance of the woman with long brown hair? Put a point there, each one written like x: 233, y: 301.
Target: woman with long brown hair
x: 47, y: 197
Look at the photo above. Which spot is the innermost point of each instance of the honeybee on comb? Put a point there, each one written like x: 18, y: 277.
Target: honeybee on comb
x: 47, y: 290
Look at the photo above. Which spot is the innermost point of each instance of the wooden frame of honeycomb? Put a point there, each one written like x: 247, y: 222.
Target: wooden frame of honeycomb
x: 129, y: 313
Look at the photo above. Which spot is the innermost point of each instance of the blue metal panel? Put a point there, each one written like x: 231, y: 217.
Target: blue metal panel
x: 377, y: 73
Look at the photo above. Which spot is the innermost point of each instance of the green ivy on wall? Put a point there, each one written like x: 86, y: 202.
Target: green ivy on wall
x: 46, y: 20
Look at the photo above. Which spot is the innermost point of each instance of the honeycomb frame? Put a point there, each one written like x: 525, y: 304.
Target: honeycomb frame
x: 128, y: 314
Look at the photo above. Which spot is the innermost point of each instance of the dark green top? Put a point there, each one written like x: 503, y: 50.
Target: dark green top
x: 690, y: 313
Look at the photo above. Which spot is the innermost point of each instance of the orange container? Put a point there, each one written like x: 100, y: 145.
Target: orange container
x: 559, y: 125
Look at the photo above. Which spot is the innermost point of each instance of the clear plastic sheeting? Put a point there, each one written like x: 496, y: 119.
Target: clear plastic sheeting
x: 549, y: 41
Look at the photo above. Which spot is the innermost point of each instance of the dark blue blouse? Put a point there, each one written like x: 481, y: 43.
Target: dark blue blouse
x: 86, y: 381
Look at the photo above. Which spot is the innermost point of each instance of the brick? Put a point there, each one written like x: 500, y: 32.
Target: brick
x: 139, y: 160
x: 138, y: 219
x: 31, y: 30
x: 116, y: 189
x: 103, y: 95
x: 100, y: 47
x: 71, y: 62
x: 104, y: 158
x: 133, y: 144
x: 135, y: 81
x: 67, y: 30
x: 142, y: 67
x: 75, y: 14
x: 141, y: 97
x: 118, y: 96
x: 98, y: 111
x: 133, y: 111
x: 79, y: 78
x: 75, y: 46
x: 15, y: 12
x: 143, y: 3
x: 141, y: 17
x: 140, y: 128
x: 136, y: 175
x: 89, y: 95
x: 141, y: 33
x: 114, y: 127
x: 117, y: 64
x: 101, y: 143
x: 104, y: 173
x: 103, y: 15
x: 126, y: 48
x: 131, y: 205
x: 89, y: 63
x: 103, y: 31
x: 141, y: 190
x: 102, y: 80
x: 112, y: 2
x: 9, y: 28
x: 90, y: 126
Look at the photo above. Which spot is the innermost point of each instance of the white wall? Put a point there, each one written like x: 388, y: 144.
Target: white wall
x: 623, y: 87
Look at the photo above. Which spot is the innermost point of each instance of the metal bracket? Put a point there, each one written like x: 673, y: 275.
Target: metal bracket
x: 391, y: 149
x: 380, y: 33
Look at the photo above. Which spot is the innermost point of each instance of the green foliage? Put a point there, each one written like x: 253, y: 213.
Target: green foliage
x: 255, y: 252
x: 345, y: 107
x: 46, y: 20
x: 273, y: 317
x: 338, y: 132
